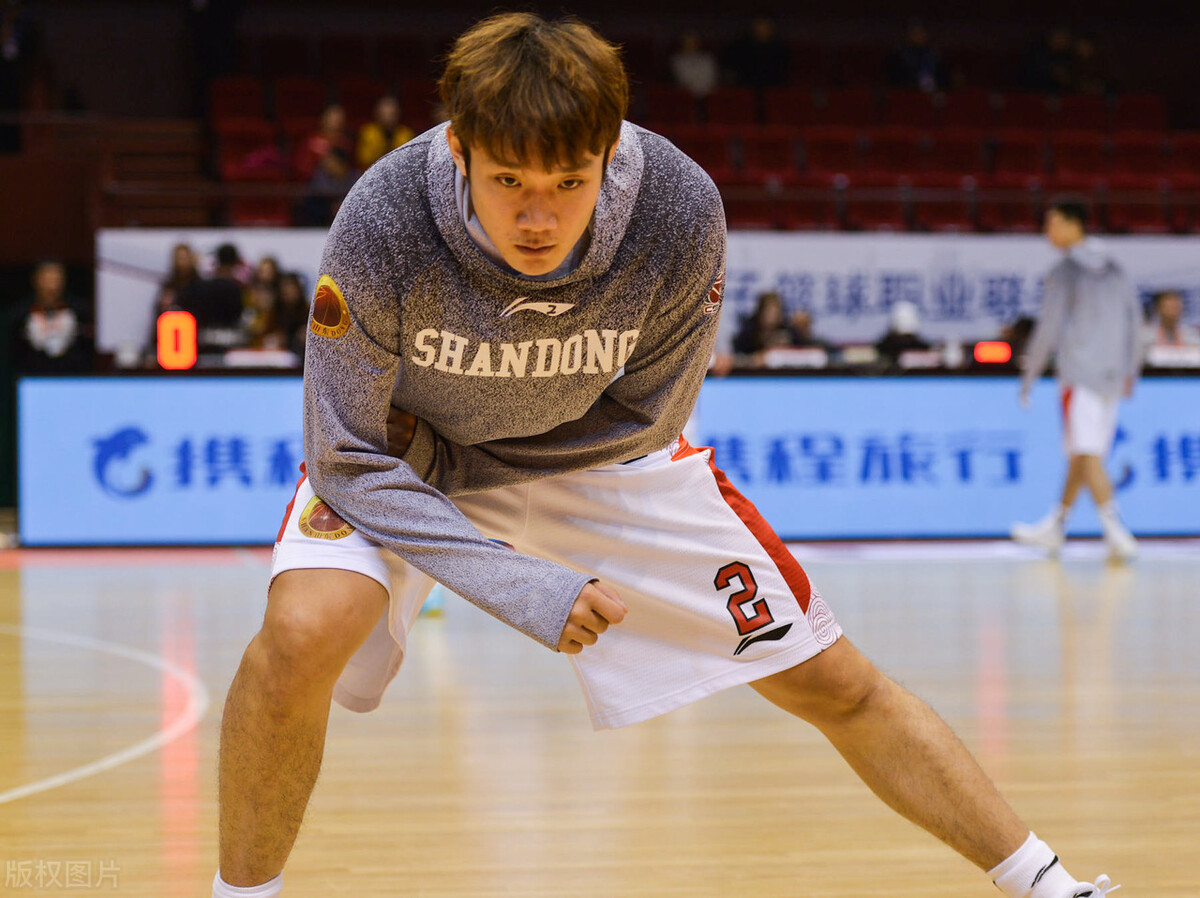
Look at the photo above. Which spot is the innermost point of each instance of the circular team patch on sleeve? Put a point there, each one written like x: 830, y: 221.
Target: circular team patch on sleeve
x: 330, y: 314
x: 319, y: 521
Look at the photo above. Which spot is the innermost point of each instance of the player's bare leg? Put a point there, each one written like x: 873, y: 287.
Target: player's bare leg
x: 1077, y: 477
x: 273, y: 729
x: 1096, y: 478
x: 902, y: 750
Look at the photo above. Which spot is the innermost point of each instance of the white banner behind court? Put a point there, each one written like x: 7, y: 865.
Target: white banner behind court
x: 966, y: 285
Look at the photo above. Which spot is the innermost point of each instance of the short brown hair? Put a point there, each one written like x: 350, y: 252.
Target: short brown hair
x: 532, y: 91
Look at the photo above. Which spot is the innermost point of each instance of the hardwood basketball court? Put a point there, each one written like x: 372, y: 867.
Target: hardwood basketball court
x: 1076, y: 683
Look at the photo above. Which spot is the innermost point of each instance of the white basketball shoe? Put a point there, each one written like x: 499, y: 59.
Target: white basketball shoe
x: 1122, y: 545
x: 1045, y: 534
x: 1099, y: 889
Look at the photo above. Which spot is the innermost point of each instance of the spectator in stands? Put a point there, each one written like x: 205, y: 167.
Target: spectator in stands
x: 802, y: 334
x: 53, y: 329
x: 330, y: 135
x: 693, y: 66
x: 916, y: 64
x: 382, y: 134
x: 329, y: 184
x: 217, y: 303
x: 182, y: 275
x: 759, y: 58
x: 1087, y: 73
x: 901, y: 334
x: 1049, y: 63
x: 289, y: 323
x: 767, y: 328
x: 1169, y: 329
x: 261, y: 298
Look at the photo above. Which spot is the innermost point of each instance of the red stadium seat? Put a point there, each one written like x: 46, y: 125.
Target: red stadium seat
x: 942, y: 202
x: 1140, y: 112
x: 1023, y: 110
x: 789, y: 106
x: 748, y: 205
x: 297, y: 96
x: 831, y: 150
x: 957, y: 150
x: 770, y: 150
x: 731, y: 106
x: 1185, y: 154
x: 708, y: 145
x: 909, y: 109
x: 235, y: 96
x: 1019, y: 152
x: 809, y: 203
x: 849, y: 108
x: 1005, y: 204
x: 1082, y: 112
x: 358, y: 95
x: 1136, y: 204
x: 420, y: 103
x: 896, y: 149
x: 875, y: 202
x: 268, y: 211
x: 967, y: 109
x: 246, y: 148
x: 1139, y: 152
x: 1079, y: 152
x: 668, y: 104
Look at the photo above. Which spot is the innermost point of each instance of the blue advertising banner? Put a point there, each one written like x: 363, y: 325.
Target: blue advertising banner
x: 860, y: 458
x: 113, y: 461
x: 175, y: 461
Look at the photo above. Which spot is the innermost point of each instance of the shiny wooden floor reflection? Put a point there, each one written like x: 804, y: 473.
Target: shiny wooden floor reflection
x: 1076, y: 683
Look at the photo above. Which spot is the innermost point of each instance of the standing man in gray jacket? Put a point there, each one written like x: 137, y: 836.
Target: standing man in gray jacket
x: 1091, y: 322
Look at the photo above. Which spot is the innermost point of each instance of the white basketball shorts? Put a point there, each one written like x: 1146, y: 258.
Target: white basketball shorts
x: 715, y: 598
x: 1089, y: 421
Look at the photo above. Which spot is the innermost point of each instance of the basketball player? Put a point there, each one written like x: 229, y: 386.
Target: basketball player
x: 1091, y: 321
x: 530, y: 295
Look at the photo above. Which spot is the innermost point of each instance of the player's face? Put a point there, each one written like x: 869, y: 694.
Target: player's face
x: 533, y: 216
x: 1062, y: 232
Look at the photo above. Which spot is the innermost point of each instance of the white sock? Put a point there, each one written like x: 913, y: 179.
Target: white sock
x: 272, y: 888
x: 1060, y: 513
x: 1033, y: 871
x: 1108, y: 512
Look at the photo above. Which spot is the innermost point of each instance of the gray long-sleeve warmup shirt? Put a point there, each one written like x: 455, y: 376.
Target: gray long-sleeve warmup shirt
x: 512, y: 378
x: 1090, y: 322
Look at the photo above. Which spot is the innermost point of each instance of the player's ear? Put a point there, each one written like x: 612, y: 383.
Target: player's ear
x: 456, y: 150
x: 612, y: 151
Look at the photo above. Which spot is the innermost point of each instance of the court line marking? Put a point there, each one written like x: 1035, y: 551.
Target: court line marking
x: 193, y: 713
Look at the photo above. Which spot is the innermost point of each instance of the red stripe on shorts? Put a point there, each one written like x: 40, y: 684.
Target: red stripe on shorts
x: 1066, y: 404
x: 789, y: 567
x: 287, y: 514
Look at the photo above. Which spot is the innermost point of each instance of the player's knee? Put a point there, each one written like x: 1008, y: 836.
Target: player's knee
x: 832, y: 686
x: 309, y: 634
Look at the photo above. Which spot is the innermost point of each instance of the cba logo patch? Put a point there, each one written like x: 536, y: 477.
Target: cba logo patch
x: 319, y: 521
x: 330, y: 314
x: 715, y: 294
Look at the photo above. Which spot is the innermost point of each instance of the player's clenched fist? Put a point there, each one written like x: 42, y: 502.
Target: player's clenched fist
x: 596, y: 607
